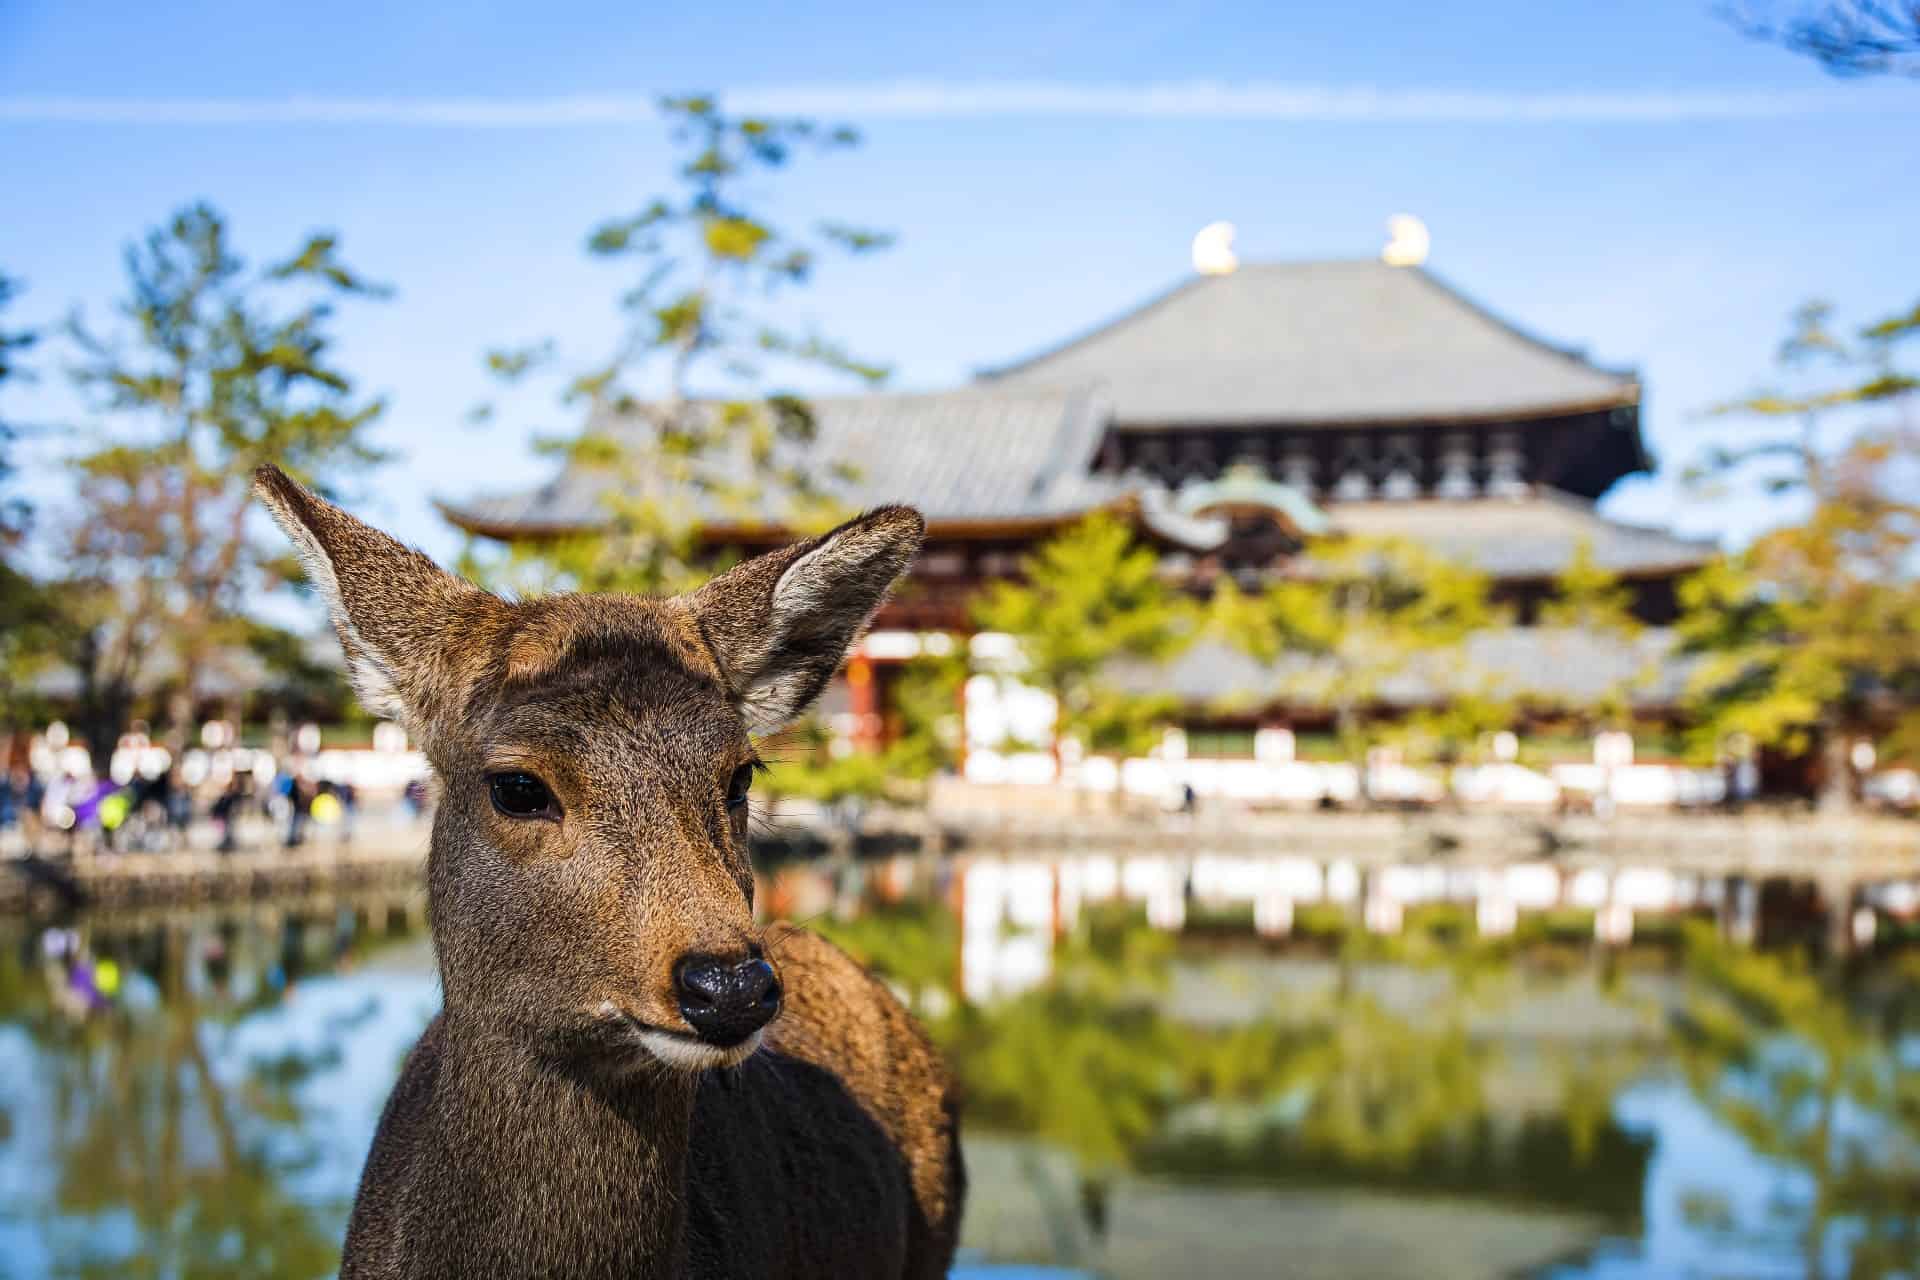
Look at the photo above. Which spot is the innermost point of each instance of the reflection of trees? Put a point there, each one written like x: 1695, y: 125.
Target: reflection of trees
x: 1779, y: 1055
x: 1359, y: 1094
x: 1342, y: 1089
x: 1087, y: 1061
x: 1348, y: 1089
x: 144, y: 1127
x: 167, y: 1158
x: 1378, y: 1088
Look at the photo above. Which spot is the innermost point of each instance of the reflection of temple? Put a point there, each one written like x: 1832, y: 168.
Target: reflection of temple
x: 1236, y: 419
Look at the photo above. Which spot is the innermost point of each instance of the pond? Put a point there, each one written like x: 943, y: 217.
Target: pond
x: 193, y: 1094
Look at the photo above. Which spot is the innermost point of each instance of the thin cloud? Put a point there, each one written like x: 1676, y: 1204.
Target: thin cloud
x: 940, y: 100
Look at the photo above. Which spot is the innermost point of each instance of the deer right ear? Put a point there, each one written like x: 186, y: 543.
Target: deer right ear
x: 397, y: 613
x: 779, y: 625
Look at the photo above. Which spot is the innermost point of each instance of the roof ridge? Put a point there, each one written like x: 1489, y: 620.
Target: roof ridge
x: 1591, y: 507
x: 1574, y: 355
x: 1081, y: 422
x: 990, y: 373
x: 966, y: 390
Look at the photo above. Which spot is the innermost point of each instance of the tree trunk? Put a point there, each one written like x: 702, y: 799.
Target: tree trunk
x: 1836, y: 775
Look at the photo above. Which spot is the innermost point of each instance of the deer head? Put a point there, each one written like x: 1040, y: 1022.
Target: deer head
x: 589, y: 884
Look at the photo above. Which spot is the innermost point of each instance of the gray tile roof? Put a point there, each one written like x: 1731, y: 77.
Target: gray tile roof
x: 1535, y: 662
x: 1531, y: 536
x: 984, y: 454
x: 1319, y: 343
x: 988, y: 454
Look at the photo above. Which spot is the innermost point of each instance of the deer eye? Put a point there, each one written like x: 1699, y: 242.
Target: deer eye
x: 521, y: 795
x: 739, y: 785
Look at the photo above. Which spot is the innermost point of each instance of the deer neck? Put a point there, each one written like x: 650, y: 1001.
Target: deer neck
x: 558, y: 1171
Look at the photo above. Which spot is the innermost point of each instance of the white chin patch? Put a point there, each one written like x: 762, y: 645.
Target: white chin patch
x: 684, y: 1054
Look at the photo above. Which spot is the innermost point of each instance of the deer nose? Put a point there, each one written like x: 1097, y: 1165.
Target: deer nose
x: 725, y: 1001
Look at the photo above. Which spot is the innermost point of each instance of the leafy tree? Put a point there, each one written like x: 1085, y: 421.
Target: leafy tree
x: 1809, y: 637
x: 924, y: 739
x: 1795, y: 439
x: 1592, y: 601
x: 1590, y: 598
x: 926, y: 702
x: 1091, y: 598
x: 1847, y: 37
x: 215, y: 368
x: 1365, y: 614
x: 1087, y: 1061
x: 1775, y: 1052
x: 13, y: 346
x: 29, y: 612
x: 1457, y: 729
x: 681, y: 429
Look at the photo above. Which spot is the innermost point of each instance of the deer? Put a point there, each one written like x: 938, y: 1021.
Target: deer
x: 628, y: 1076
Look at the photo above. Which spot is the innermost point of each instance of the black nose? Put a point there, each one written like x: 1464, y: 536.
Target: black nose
x: 725, y: 1001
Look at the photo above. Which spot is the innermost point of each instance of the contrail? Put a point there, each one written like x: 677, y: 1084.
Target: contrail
x: 943, y: 100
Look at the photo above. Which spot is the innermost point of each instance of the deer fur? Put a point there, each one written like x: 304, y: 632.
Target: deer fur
x: 559, y: 1117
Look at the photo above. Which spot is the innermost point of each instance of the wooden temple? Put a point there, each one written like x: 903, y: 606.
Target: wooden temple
x: 1235, y: 419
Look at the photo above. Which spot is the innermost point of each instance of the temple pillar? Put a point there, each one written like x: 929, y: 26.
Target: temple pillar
x: 863, y: 695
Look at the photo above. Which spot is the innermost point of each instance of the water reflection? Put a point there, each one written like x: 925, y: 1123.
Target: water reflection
x: 192, y: 1096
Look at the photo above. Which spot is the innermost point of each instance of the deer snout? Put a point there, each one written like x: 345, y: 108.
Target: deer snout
x: 725, y: 1001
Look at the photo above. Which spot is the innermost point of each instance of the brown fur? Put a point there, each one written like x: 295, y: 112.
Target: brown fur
x: 557, y: 1118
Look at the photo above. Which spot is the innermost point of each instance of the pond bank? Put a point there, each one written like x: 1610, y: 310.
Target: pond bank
x: 1839, y: 855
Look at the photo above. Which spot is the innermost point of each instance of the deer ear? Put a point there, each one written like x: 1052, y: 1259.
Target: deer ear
x: 779, y: 625
x: 398, y: 614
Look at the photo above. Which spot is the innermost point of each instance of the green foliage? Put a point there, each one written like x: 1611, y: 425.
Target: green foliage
x: 1100, y: 1061
x: 1591, y: 598
x: 1380, y: 1087
x: 926, y: 702
x: 215, y: 368
x: 29, y: 611
x: 683, y: 428
x: 1773, y: 1049
x: 913, y: 944
x: 1456, y: 731
x: 1364, y: 613
x: 34, y: 628
x: 1087, y: 1061
x: 1592, y: 601
x: 1785, y: 443
x: 298, y: 684
x: 14, y: 343
x: 808, y: 762
x: 1809, y: 635
x: 1090, y: 598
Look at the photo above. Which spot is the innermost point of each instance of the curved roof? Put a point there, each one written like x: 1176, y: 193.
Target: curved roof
x: 1321, y: 343
x: 1532, y: 535
x: 973, y: 455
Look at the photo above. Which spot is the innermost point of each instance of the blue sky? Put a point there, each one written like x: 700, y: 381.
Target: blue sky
x: 1634, y: 178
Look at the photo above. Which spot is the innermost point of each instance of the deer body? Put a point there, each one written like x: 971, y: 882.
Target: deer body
x: 650, y: 1181
x: 628, y: 1077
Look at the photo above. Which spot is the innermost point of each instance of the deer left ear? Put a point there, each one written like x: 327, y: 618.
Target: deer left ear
x: 780, y: 624
x: 408, y: 627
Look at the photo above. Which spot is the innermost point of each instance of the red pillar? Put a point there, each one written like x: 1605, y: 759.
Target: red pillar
x: 864, y: 694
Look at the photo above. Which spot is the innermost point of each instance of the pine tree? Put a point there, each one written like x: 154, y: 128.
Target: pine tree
x: 215, y: 368
x: 1088, y: 600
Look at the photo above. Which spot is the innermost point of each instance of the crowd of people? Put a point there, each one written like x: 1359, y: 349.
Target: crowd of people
x: 54, y: 802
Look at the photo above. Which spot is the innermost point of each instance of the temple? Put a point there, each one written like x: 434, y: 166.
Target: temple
x: 1236, y: 419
